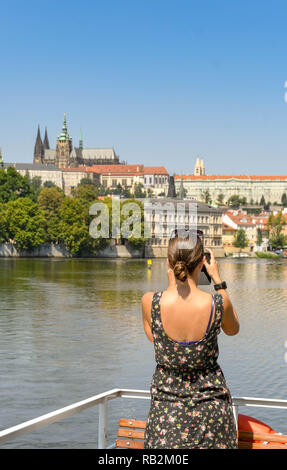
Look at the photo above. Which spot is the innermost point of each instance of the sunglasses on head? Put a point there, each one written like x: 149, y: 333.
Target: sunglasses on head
x: 182, y: 233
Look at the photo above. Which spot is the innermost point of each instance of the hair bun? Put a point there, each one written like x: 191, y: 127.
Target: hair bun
x: 180, y: 271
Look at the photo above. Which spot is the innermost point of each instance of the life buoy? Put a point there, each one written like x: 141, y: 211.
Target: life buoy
x: 249, y: 424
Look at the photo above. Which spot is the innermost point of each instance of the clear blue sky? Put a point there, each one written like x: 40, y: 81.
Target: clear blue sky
x: 160, y: 81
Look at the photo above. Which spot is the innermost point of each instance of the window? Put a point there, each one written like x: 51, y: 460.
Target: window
x: 114, y: 182
x: 124, y: 182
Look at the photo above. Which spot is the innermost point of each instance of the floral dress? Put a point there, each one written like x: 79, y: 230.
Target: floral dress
x: 190, y: 402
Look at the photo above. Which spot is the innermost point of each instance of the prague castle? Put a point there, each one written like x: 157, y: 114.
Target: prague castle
x: 67, y: 156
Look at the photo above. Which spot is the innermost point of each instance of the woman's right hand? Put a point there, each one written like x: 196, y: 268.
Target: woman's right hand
x: 212, y: 268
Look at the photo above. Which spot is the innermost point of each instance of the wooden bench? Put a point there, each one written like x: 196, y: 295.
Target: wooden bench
x: 131, y: 434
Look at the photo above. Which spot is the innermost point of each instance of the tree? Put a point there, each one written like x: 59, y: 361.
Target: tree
x: 262, y: 201
x: 13, y: 185
x: 49, y: 201
x: 25, y: 223
x: 86, y: 193
x: 206, y: 196
x: 4, y: 234
x: 284, y: 200
x: 139, y: 190
x: 275, y: 226
x: 73, y: 227
x: 139, y: 224
x: 259, y: 237
x: 240, y: 240
x: 49, y: 184
x: 220, y: 198
x: 234, y: 200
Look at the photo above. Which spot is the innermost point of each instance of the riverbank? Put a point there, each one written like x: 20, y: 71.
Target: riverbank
x: 50, y: 250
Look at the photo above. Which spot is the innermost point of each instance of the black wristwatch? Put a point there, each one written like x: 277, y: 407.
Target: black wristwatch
x: 222, y: 285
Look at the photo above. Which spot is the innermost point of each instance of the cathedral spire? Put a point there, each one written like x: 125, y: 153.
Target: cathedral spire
x: 81, y: 145
x: 46, y: 140
x: 38, y: 148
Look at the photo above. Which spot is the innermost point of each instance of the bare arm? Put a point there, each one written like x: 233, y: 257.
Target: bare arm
x: 229, y: 322
x: 146, y: 314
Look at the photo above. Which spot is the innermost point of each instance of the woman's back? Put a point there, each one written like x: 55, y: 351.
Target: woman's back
x: 186, y: 318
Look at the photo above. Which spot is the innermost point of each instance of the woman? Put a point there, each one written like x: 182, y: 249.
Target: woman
x: 190, y: 401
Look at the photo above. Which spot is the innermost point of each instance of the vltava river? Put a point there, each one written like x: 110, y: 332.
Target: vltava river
x: 70, y: 329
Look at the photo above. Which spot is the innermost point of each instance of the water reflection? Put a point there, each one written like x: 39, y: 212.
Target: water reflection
x: 72, y: 328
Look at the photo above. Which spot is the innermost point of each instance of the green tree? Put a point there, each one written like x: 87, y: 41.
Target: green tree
x: 73, y: 227
x: 4, y: 232
x: 25, y: 223
x: 206, y: 196
x: 240, y: 240
x: 275, y: 225
x: 13, y: 185
x: 220, y: 198
x: 259, y: 237
x: 262, y: 201
x: 139, y: 190
x: 284, y: 200
x: 86, y: 193
x: 139, y: 224
x: 234, y: 200
x: 49, y: 184
x: 50, y: 201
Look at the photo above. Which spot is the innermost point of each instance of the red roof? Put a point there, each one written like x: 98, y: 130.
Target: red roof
x: 116, y: 169
x: 242, y: 177
x: 155, y: 170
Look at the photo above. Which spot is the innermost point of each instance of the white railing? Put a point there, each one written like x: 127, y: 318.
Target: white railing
x: 101, y: 401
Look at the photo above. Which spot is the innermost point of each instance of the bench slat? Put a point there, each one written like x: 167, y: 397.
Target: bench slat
x: 132, y: 423
x: 129, y: 444
x: 131, y: 434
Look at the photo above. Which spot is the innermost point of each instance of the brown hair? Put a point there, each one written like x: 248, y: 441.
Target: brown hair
x: 183, y: 256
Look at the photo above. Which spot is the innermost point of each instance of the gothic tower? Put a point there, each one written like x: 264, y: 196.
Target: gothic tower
x: 63, y: 147
x: 38, y: 148
x: 46, y: 144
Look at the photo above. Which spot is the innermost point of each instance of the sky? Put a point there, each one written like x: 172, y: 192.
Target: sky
x: 162, y: 82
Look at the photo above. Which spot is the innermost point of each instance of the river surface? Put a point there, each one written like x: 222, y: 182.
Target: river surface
x: 70, y: 329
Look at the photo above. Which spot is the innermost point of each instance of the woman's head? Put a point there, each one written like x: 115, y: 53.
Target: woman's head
x: 184, y: 256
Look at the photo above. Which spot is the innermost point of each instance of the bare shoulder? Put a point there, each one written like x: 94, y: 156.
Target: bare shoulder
x: 147, y: 301
x: 204, y: 298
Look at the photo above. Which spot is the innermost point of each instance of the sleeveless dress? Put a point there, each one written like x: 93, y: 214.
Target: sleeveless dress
x: 191, y: 404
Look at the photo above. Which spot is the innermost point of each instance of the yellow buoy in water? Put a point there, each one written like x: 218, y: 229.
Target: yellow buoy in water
x: 149, y: 263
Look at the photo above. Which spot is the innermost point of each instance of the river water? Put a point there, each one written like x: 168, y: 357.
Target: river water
x: 72, y: 328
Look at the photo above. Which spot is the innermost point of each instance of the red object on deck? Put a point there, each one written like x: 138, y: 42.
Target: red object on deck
x: 249, y: 424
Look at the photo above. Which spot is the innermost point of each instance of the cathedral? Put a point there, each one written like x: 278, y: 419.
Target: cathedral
x: 67, y: 156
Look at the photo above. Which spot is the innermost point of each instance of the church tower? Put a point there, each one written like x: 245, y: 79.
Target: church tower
x: 63, y: 147
x: 46, y: 144
x: 199, y: 169
x: 38, y: 148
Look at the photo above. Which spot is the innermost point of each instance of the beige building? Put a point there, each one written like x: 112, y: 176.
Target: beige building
x: 201, y: 186
x: 153, y: 178
x: 47, y: 173
x: 177, y: 213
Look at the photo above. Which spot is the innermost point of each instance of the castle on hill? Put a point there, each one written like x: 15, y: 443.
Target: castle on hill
x: 67, y: 156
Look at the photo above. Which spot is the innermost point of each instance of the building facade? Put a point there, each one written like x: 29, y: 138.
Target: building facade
x: 165, y: 215
x: 67, y: 156
x: 219, y: 188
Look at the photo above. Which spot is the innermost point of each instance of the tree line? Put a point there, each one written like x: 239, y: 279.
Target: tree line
x: 32, y: 214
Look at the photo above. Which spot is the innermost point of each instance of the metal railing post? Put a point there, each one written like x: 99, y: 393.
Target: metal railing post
x: 235, y: 413
x: 102, y: 431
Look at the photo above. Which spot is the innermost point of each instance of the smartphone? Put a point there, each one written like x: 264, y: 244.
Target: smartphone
x: 204, y: 278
